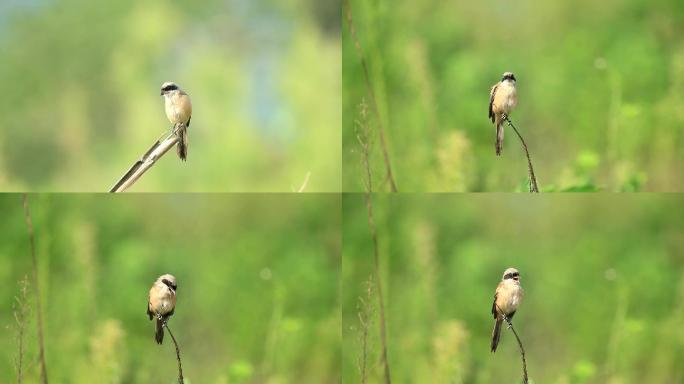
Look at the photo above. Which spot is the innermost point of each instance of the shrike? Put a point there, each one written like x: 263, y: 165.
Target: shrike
x: 502, y: 99
x: 508, y: 295
x: 179, y: 111
x: 161, y: 303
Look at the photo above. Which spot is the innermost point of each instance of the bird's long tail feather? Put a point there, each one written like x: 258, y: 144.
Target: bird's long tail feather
x: 499, y: 135
x: 182, y: 146
x: 496, y: 333
x: 159, y: 331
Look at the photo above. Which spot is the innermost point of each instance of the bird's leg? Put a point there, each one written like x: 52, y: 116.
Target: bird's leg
x: 507, y: 320
x: 176, y: 126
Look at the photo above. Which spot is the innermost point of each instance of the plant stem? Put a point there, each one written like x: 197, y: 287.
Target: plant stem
x: 533, y: 179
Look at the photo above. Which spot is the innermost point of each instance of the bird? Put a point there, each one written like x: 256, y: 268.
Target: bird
x: 507, y: 298
x: 161, y: 303
x: 178, y: 110
x: 502, y: 99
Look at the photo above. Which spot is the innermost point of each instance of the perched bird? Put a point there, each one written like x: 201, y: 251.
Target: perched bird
x: 179, y: 111
x: 507, y: 298
x: 502, y: 99
x: 161, y: 303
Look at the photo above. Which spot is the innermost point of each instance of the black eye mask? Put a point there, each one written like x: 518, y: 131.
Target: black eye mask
x: 511, y: 275
x: 170, y: 88
x: 169, y: 284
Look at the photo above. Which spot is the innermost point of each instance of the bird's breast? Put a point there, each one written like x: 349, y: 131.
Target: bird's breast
x: 509, y: 297
x: 178, y: 108
x: 506, y: 97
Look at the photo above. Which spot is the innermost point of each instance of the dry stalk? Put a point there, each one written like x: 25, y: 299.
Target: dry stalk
x: 371, y: 94
x: 180, y: 368
x: 141, y: 166
x: 39, y: 316
x: 533, y: 179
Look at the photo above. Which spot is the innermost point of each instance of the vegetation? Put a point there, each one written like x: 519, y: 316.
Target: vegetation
x: 603, y: 279
x: 82, y: 97
x: 257, y: 288
x: 599, y: 83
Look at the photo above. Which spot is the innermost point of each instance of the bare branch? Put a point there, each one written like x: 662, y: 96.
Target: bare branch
x: 522, y: 350
x: 180, y: 368
x: 533, y: 179
x: 150, y: 157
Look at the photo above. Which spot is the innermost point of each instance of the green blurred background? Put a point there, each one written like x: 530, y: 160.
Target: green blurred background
x: 257, y: 287
x: 599, y: 85
x: 82, y: 80
x: 603, y: 279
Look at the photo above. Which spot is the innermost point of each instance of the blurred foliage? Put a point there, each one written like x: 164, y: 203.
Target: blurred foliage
x: 603, y: 279
x: 83, y: 79
x: 601, y: 80
x: 257, y: 287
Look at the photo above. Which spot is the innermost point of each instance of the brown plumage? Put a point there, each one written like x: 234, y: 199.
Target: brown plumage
x: 502, y: 99
x: 161, y: 303
x: 178, y: 110
x: 182, y: 146
x: 507, y: 298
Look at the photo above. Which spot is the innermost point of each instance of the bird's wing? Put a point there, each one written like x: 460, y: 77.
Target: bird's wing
x: 494, y: 311
x: 185, y: 102
x: 491, y: 100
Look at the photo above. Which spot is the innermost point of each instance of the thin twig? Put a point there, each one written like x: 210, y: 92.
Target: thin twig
x: 364, y: 140
x: 305, y: 183
x: 533, y: 179
x: 39, y: 324
x: 363, y: 136
x: 522, y: 350
x: 371, y: 93
x: 21, y: 310
x: 365, y: 315
x: 381, y: 305
x: 180, y: 369
x: 150, y: 157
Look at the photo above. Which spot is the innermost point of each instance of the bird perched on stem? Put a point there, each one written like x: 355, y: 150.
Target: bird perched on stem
x: 502, y: 99
x: 507, y: 298
x: 161, y: 303
x: 179, y: 111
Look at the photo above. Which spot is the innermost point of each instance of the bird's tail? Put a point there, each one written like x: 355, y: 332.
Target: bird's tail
x: 182, y: 146
x: 496, y: 333
x: 499, y: 135
x: 159, y: 331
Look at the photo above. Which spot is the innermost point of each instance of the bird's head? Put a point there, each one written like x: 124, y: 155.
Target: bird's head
x: 168, y: 280
x: 168, y: 87
x: 511, y: 274
x: 508, y: 76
